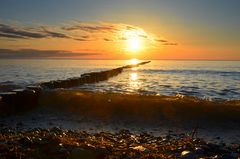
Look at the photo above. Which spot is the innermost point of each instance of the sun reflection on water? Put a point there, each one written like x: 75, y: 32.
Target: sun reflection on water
x: 133, y: 76
x: 134, y: 68
x: 134, y: 61
x: 134, y: 83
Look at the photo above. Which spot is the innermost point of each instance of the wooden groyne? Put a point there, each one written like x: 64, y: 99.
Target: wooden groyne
x: 24, y: 99
x: 92, y: 77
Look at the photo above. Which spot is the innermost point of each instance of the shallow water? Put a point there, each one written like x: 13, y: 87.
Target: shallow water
x: 203, y: 79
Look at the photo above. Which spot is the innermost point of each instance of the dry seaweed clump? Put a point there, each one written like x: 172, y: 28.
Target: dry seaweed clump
x: 57, y: 143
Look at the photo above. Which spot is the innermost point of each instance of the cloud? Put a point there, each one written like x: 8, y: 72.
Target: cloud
x: 32, y: 53
x: 91, y: 27
x: 106, y: 39
x: 105, y: 31
x: 11, y: 31
x: 165, y: 42
x: 11, y: 36
x: 82, y: 38
x: 54, y: 34
x: 169, y: 43
x: 8, y: 31
x: 83, y: 32
x: 161, y: 40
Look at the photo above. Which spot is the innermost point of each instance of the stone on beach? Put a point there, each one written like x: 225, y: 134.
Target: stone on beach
x: 19, y: 100
x: 140, y: 148
x: 188, y: 155
x: 36, y: 88
x: 58, y: 143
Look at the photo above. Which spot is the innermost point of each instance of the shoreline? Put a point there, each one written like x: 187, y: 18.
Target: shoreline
x: 98, y: 111
x: 138, y: 105
x: 96, y: 125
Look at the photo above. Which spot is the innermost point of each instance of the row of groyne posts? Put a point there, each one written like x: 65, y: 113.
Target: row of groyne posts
x: 23, y: 99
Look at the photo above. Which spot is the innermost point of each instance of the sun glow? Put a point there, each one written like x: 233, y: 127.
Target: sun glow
x: 134, y: 39
x: 134, y: 44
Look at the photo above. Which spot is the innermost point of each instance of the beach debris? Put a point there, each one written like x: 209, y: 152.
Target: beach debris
x: 58, y: 143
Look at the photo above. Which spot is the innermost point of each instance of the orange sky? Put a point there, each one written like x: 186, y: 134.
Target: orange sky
x: 120, y: 30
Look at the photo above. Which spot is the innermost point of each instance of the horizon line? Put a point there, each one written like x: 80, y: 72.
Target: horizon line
x: 118, y: 59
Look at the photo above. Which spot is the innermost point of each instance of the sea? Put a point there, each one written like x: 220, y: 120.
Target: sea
x: 210, y: 80
x: 175, y: 96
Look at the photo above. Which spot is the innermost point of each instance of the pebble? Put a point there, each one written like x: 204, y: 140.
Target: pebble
x: 139, y: 148
x: 230, y: 156
x: 188, y: 155
x: 58, y: 143
x: 199, y: 151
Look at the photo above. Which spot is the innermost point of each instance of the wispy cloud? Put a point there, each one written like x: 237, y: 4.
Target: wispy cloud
x: 161, y: 40
x: 100, y: 31
x: 53, y: 34
x: 8, y: 31
x: 91, y: 27
x: 32, y: 53
x: 165, y: 42
x: 82, y: 31
x: 169, y: 43
x: 11, y: 36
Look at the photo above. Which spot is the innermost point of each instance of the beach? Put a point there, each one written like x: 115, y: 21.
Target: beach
x: 129, y: 79
x: 76, y: 117
x: 149, y: 127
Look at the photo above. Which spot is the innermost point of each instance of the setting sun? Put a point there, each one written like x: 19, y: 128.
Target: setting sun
x: 134, y: 44
x: 134, y: 39
x: 120, y: 79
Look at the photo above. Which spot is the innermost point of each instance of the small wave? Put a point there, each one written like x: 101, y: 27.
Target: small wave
x: 142, y: 107
x: 222, y: 73
x: 165, y: 86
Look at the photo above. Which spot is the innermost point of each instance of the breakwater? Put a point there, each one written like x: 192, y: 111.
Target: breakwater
x: 23, y: 99
x: 92, y: 77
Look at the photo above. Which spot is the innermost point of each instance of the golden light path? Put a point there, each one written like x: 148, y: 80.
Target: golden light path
x: 134, y: 44
x: 134, y: 83
x: 133, y: 76
x: 134, y: 61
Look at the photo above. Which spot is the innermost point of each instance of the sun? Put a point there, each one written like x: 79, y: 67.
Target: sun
x: 134, y: 40
x: 134, y: 44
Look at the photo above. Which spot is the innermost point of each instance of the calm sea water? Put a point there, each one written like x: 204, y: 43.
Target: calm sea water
x: 203, y: 79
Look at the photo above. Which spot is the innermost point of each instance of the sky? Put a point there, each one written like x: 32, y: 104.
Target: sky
x: 120, y: 29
